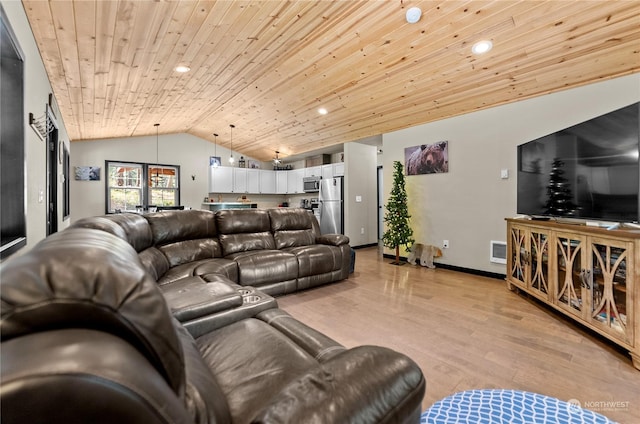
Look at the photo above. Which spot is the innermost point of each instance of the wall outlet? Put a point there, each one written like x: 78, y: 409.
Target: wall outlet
x: 362, y: 230
x: 445, y: 244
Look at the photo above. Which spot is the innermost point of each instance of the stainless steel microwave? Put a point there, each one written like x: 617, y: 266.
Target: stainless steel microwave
x: 311, y: 184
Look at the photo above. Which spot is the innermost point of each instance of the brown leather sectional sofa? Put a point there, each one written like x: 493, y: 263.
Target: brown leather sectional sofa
x: 278, y: 251
x: 162, y: 319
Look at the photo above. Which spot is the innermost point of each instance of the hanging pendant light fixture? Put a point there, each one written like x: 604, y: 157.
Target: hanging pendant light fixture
x: 155, y: 183
x: 215, y: 150
x: 231, y: 143
x: 276, y: 160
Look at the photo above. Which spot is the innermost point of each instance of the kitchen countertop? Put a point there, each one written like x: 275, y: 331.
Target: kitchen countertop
x: 228, y: 203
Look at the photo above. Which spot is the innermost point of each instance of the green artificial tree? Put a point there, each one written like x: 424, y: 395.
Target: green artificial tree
x: 398, y: 233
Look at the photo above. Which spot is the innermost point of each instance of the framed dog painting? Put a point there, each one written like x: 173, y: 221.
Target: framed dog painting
x: 427, y: 158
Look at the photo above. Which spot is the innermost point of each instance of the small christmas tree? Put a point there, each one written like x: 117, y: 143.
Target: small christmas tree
x: 559, y: 192
x: 397, y: 216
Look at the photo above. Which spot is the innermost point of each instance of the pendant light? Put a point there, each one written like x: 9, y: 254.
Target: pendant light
x: 276, y: 160
x: 155, y: 183
x: 215, y: 150
x: 231, y: 144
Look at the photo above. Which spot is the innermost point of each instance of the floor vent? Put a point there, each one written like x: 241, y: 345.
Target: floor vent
x: 498, y: 253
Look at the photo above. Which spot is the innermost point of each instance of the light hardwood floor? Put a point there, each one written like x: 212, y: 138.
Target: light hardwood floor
x: 467, y: 332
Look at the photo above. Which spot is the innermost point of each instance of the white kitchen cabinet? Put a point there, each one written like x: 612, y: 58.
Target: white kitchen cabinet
x: 239, y: 180
x: 294, y: 181
x: 281, y: 181
x: 338, y: 169
x: 267, y: 181
x: 254, y: 180
x: 327, y: 171
x: 220, y: 179
x: 313, y: 171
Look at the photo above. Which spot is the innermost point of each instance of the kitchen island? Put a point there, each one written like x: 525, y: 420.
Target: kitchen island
x: 216, y: 206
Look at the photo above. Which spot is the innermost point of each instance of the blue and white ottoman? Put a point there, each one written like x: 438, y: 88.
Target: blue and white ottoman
x: 507, y: 407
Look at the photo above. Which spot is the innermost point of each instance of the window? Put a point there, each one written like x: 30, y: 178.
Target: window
x: 138, y: 186
x: 163, y: 183
x: 124, y: 186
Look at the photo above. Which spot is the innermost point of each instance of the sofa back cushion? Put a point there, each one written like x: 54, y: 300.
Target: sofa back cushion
x: 184, y: 236
x: 154, y: 261
x: 292, y: 227
x: 241, y: 230
x: 87, y: 278
x: 191, y: 250
x: 131, y: 227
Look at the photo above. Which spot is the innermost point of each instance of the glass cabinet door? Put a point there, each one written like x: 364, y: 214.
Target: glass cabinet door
x: 570, y: 277
x: 539, y: 263
x: 609, y: 289
x: 518, y: 255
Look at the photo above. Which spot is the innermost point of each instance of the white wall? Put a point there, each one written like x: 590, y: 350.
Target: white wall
x: 191, y: 153
x: 468, y: 204
x: 36, y: 96
x: 360, y: 181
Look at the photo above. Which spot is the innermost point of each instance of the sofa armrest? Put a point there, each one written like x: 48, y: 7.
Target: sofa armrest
x: 83, y: 376
x: 316, y: 344
x: 332, y: 239
x: 367, y: 384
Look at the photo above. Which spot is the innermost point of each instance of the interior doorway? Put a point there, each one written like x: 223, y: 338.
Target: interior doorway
x: 52, y: 173
x: 380, y: 205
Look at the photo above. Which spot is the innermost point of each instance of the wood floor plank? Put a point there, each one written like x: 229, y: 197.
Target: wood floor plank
x: 470, y: 332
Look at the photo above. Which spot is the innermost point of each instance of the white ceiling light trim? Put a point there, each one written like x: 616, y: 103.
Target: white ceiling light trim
x: 413, y: 15
x: 182, y: 69
x: 481, y: 47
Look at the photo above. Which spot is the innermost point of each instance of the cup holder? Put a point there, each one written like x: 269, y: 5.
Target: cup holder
x: 252, y: 299
x: 244, y: 292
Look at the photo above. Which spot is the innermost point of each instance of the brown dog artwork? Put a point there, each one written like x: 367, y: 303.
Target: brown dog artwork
x: 427, y: 158
x: 425, y: 253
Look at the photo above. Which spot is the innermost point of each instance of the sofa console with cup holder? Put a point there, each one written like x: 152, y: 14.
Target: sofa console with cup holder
x: 161, y: 319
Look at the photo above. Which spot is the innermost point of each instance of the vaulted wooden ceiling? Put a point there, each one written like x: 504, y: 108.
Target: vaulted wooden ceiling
x: 267, y: 66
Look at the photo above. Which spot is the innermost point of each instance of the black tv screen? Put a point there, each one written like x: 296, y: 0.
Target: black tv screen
x: 587, y: 171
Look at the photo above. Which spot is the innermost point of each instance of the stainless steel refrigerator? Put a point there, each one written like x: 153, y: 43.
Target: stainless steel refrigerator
x: 331, y: 206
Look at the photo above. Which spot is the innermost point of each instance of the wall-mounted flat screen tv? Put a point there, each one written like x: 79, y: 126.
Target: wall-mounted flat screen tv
x: 588, y: 171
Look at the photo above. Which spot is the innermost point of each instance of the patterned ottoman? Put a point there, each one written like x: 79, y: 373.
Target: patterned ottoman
x: 507, y: 407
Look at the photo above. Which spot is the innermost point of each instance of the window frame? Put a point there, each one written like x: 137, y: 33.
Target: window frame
x: 13, y: 209
x: 145, y: 187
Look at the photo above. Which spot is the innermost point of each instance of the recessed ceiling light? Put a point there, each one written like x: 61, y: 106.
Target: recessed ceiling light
x: 482, y: 47
x: 182, y: 69
x: 413, y: 15
x: 322, y: 111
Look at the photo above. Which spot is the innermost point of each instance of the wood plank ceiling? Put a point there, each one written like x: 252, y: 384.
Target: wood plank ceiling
x: 267, y: 66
